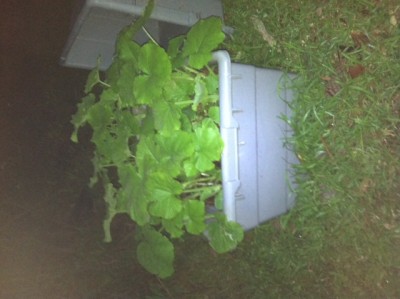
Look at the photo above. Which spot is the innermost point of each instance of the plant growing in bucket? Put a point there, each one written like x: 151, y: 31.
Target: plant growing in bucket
x: 155, y: 121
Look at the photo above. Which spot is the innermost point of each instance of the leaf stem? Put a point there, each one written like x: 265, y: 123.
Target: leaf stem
x: 105, y: 84
x: 196, y: 72
x: 149, y: 36
x: 182, y: 103
x: 210, y: 179
x: 195, y: 190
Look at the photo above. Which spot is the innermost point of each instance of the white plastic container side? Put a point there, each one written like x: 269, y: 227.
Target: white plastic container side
x: 99, y: 21
x: 256, y: 167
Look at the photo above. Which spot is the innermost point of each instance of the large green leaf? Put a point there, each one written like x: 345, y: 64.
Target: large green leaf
x: 173, y: 150
x: 164, y: 192
x: 224, y: 235
x: 166, y: 116
x: 147, y: 156
x: 155, y: 68
x: 155, y: 253
x: 127, y: 122
x: 124, y: 85
x: 180, y: 89
x: 195, y: 213
x: 189, y: 167
x: 209, y: 145
x: 175, y: 51
x: 113, y: 148
x: 132, y: 197
x: 202, y: 39
x: 200, y: 92
x: 174, y: 226
x: 99, y: 115
x: 128, y: 51
x: 212, y: 82
x: 206, y: 91
x: 214, y: 114
x: 108, y: 97
x: 164, y: 153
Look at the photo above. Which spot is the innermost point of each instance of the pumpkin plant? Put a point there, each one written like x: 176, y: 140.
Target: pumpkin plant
x: 154, y: 115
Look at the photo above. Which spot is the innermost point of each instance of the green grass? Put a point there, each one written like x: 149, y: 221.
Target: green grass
x: 341, y: 240
x: 342, y: 237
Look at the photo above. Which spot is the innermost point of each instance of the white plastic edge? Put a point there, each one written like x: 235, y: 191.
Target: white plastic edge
x: 159, y: 13
x: 228, y: 129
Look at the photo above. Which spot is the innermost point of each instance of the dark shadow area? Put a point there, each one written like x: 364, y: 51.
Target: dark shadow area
x: 51, y: 242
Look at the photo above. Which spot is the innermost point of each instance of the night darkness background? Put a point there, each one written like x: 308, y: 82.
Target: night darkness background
x: 44, y: 252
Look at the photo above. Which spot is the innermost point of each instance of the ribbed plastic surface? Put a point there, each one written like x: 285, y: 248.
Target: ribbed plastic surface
x: 256, y: 167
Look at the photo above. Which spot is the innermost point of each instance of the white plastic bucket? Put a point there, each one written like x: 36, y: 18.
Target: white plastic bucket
x: 256, y: 167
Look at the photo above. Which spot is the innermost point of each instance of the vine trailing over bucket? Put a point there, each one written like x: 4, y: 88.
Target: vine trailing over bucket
x: 155, y: 120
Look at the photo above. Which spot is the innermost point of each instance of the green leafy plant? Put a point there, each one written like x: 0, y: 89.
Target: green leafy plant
x: 155, y: 119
